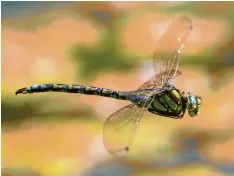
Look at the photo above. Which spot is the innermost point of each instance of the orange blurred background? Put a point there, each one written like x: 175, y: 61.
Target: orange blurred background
x: 110, y: 44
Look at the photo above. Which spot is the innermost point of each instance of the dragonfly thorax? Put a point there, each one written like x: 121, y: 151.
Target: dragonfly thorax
x: 168, y: 103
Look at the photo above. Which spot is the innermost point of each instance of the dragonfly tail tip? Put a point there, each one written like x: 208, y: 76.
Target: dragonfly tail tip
x: 21, y: 91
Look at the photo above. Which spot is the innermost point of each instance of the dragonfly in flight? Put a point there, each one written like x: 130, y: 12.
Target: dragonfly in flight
x: 157, y: 95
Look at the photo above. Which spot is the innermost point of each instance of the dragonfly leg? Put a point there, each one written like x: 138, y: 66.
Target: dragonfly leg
x: 184, y: 98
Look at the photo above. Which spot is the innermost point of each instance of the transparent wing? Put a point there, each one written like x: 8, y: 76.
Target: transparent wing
x: 166, y: 65
x: 120, y: 128
x: 150, y: 84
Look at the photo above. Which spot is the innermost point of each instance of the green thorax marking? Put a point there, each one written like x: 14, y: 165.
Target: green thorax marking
x: 168, y: 101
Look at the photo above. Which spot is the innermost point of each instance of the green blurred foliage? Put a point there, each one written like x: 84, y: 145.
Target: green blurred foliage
x: 106, y: 55
x: 14, y: 113
x: 19, y: 172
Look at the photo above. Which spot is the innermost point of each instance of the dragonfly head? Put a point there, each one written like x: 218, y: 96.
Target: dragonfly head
x: 193, y: 104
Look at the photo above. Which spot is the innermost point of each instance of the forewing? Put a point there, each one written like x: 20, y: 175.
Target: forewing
x: 120, y: 128
x: 150, y: 84
x: 171, y: 44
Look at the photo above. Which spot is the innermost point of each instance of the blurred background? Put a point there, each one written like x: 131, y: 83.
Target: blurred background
x: 110, y: 44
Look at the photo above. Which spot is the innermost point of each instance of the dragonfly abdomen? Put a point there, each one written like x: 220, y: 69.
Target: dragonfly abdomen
x: 74, y: 88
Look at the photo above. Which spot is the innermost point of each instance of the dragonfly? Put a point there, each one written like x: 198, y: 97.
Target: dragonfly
x: 157, y: 95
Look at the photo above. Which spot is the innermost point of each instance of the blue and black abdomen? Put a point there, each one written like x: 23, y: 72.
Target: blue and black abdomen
x: 73, y: 88
x: 168, y: 103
